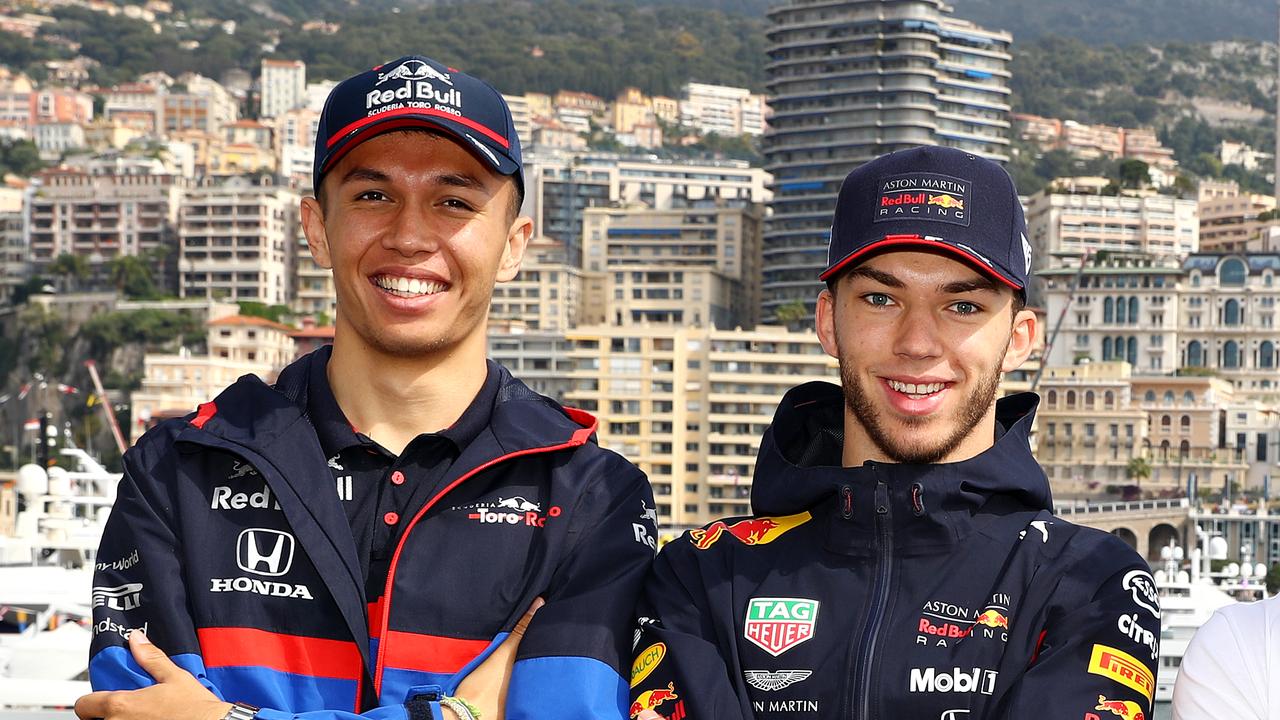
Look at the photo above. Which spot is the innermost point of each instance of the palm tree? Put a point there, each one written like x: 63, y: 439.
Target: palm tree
x: 72, y: 269
x: 1136, y: 469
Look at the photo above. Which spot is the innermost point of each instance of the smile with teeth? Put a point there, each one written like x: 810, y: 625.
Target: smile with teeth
x: 409, y: 287
x: 916, y: 390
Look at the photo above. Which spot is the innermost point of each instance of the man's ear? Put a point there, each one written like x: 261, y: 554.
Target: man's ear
x: 825, y: 322
x: 513, y: 251
x: 313, y: 228
x: 1021, y: 340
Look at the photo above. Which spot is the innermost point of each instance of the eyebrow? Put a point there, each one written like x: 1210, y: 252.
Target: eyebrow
x: 879, y: 276
x: 364, y: 173
x: 460, y: 180
x: 975, y: 285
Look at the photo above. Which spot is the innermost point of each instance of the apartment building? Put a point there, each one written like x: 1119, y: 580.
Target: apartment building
x: 547, y: 294
x: 852, y: 80
x: 106, y: 211
x: 696, y: 266
x: 236, y: 241
x: 282, y: 86
x: 173, y: 385
x: 689, y: 405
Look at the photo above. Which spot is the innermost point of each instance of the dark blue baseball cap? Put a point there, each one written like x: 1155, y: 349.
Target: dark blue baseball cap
x: 932, y: 197
x: 415, y: 91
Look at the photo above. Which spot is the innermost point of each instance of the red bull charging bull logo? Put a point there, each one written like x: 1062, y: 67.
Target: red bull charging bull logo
x: 651, y: 699
x: 946, y: 201
x: 753, y: 531
x: 1123, y: 708
x: 992, y: 619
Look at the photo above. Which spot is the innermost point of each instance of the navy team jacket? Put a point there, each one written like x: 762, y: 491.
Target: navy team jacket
x: 938, y: 592
x: 229, y: 545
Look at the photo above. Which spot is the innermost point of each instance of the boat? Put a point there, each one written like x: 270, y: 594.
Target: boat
x: 1189, y: 596
x: 46, y: 580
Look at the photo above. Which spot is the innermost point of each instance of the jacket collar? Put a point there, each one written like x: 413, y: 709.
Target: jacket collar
x: 929, y: 506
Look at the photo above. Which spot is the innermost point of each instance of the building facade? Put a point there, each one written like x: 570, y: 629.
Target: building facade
x: 850, y: 81
x: 236, y: 241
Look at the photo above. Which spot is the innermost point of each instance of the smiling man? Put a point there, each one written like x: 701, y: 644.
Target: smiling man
x: 463, y: 499
x: 903, y: 561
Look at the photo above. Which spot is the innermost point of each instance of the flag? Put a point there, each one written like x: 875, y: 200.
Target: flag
x: 31, y: 425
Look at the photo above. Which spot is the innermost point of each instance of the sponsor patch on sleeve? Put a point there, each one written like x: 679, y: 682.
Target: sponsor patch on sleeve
x: 1123, y: 668
x: 924, y: 196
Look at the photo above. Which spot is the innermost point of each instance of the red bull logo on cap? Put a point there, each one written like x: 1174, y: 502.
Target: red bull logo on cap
x: 753, y: 531
x: 1123, y: 708
x: 946, y: 201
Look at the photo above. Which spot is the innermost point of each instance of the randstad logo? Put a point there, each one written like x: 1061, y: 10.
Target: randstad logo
x: 265, y: 552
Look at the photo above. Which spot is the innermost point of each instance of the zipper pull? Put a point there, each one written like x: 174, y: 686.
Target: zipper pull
x: 846, y: 502
x: 882, y: 498
x: 917, y: 498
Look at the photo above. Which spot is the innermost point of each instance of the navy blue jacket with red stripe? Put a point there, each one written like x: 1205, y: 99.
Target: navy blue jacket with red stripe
x: 229, y: 545
x: 943, y: 591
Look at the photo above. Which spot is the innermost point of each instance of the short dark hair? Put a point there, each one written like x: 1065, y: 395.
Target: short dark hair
x: 513, y: 208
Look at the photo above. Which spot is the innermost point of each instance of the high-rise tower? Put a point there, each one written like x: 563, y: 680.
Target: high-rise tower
x: 850, y: 80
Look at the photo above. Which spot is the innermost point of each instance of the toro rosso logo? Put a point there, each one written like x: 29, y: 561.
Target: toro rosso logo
x: 414, y: 70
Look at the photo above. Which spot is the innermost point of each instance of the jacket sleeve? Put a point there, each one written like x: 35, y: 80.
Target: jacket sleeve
x: 1226, y: 671
x: 680, y: 669
x: 138, y: 583
x: 1098, y: 649
x: 572, y: 658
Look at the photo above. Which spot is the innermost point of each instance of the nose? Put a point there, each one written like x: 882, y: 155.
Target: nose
x: 412, y: 231
x: 918, y: 335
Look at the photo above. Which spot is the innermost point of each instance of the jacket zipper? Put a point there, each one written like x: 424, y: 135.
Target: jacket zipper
x: 880, y: 596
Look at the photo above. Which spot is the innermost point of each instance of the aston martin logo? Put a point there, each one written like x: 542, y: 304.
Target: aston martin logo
x: 770, y: 681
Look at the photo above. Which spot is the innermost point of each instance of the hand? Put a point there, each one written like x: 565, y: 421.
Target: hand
x: 486, y: 686
x: 177, y: 695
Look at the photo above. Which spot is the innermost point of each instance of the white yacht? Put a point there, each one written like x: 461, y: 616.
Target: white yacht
x: 1189, y: 597
x: 46, y: 577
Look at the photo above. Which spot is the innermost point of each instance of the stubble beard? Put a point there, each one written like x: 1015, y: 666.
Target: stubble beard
x: 973, y: 408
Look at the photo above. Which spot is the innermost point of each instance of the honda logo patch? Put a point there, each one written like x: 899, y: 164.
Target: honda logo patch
x: 262, y: 551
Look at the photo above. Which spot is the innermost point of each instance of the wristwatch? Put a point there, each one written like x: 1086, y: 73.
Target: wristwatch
x: 241, y: 711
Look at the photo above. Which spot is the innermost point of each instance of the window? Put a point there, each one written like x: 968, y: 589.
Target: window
x: 1195, y: 354
x: 1231, y: 314
x: 1168, y: 397
x: 1089, y: 400
x: 1149, y: 396
x: 1133, y: 310
x: 1108, y: 310
x: 1186, y: 423
x: 1232, y: 272
x: 1261, y: 455
x: 1052, y: 398
x: 1106, y: 348
x: 1267, y: 355
x: 1231, y: 354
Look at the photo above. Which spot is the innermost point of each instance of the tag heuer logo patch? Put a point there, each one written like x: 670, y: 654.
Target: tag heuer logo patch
x: 778, y: 624
x: 924, y: 196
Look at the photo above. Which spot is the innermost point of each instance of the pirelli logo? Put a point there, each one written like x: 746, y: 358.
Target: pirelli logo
x: 1123, y: 668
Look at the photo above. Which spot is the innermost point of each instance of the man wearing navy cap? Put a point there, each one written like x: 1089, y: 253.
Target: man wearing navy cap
x: 233, y: 582
x: 902, y: 560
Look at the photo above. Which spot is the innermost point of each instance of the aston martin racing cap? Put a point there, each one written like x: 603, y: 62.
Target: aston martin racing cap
x: 415, y: 91
x: 932, y: 197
